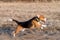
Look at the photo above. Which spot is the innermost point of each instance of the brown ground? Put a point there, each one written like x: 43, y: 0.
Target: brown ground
x: 25, y: 11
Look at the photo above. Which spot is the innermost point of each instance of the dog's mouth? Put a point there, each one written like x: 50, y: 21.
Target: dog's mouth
x: 43, y: 24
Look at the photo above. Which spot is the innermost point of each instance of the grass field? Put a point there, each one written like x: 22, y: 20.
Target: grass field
x: 24, y: 11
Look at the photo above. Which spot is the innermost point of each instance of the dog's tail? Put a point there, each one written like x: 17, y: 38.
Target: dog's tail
x: 14, y: 20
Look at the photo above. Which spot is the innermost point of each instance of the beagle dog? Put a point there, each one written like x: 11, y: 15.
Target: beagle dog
x: 35, y: 22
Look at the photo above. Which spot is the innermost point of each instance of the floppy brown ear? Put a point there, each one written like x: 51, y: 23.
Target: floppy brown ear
x: 40, y: 16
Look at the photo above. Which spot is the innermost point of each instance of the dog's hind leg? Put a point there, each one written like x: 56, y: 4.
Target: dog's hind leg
x: 18, y: 29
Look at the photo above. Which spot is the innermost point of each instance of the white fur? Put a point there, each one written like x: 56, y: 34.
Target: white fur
x: 38, y: 23
x: 10, y: 19
x: 41, y: 27
x: 44, y: 25
x: 23, y: 29
x: 14, y: 35
x: 45, y: 19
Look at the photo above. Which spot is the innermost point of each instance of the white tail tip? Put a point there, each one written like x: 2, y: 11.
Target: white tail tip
x: 10, y: 19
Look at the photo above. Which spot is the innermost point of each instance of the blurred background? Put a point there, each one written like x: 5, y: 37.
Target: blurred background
x: 29, y: 0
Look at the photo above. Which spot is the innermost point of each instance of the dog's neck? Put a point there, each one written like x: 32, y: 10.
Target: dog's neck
x: 33, y: 18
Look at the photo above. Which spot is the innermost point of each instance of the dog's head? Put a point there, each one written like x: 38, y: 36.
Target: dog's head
x: 42, y: 21
x: 42, y: 18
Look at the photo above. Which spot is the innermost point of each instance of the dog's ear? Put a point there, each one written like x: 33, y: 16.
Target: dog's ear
x: 41, y: 17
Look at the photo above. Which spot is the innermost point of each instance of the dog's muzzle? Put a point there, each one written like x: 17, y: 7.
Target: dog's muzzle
x: 43, y: 24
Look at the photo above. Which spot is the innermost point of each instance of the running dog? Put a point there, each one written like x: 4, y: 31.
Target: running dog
x: 35, y: 22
